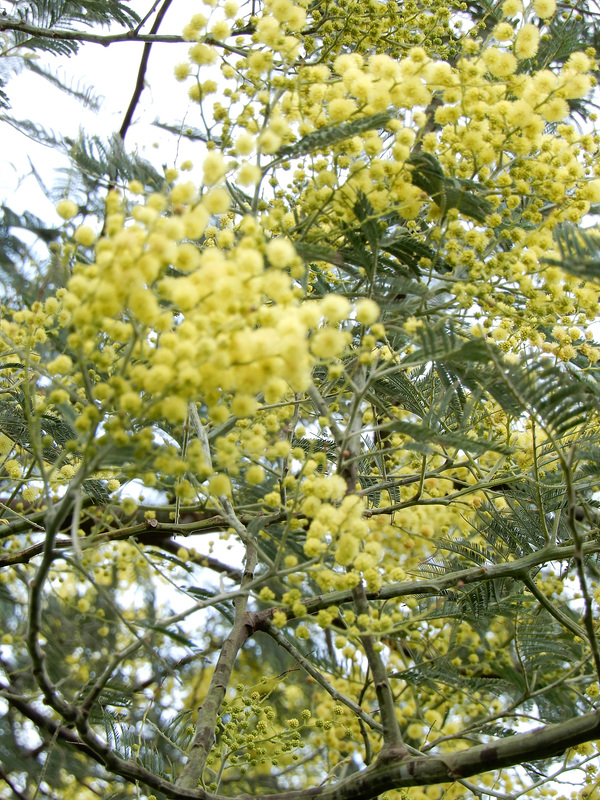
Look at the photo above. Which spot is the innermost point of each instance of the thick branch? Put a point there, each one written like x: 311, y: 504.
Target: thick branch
x: 391, y: 770
x: 114, y: 38
x: 43, y: 722
x: 453, y: 580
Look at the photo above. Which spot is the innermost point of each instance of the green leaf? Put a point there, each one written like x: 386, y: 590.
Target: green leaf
x: 331, y: 135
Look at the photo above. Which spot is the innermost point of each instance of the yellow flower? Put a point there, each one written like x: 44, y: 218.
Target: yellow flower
x: 217, y: 201
x: 503, y: 31
x: 60, y: 366
x: 255, y: 474
x: 67, y: 209
x: 555, y: 109
x: 244, y: 144
x: 243, y: 405
x: 367, y: 311
x: 249, y: 174
x: 328, y: 342
x: 182, y: 71
x: 174, y: 409
x: 13, y: 468
x: 512, y: 7
x: 499, y: 62
x: 219, y: 485
x: 214, y: 168
x: 347, y: 549
x: 202, y: 54
x: 335, y: 307
x: 527, y: 41
x: 544, y: 8
x: 84, y: 236
x: 280, y: 252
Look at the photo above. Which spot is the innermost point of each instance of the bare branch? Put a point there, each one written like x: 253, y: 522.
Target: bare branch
x: 243, y: 627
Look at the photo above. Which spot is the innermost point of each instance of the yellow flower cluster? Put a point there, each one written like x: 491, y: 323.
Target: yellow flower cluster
x: 208, y: 321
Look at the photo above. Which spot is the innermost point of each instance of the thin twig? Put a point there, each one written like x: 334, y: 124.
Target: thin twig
x: 551, y: 609
x: 307, y: 666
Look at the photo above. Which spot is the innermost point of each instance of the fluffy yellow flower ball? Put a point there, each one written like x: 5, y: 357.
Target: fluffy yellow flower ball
x: 67, y: 209
x: 527, y: 41
x: 544, y: 8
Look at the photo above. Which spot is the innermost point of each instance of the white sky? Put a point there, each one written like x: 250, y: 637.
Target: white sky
x: 112, y: 72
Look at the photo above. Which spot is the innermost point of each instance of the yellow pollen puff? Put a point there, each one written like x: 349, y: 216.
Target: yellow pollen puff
x: 244, y: 405
x: 62, y: 365
x: 84, y: 236
x: 214, y: 168
x: 280, y: 252
x: 255, y: 474
x: 13, y: 468
x: 202, y: 54
x: 249, y: 174
x: 500, y: 63
x: 335, y: 307
x: 174, y: 409
x: 347, y: 549
x: 512, y: 7
x: 527, y: 41
x: 329, y: 342
x: 220, y: 485
x: 367, y: 311
x: 544, y: 8
x: 503, y: 31
x: 67, y: 209
x: 183, y: 192
x: 182, y: 71
x: 217, y: 202
x: 244, y: 144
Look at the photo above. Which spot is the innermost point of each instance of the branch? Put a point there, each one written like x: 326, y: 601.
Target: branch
x: 116, y: 38
x: 37, y: 655
x: 242, y: 629
x: 392, y: 736
x: 84, y: 36
x: 139, y: 84
x: 453, y: 580
x: 558, y: 615
x: 43, y: 722
x: 588, y: 613
x: 390, y: 771
x: 306, y: 665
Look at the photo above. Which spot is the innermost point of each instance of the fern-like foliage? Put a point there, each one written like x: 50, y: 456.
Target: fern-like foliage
x: 561, y: 399
x: 579, y: 251
x: 330, y: 135
x: 67, y: 15
x: 96, y: 162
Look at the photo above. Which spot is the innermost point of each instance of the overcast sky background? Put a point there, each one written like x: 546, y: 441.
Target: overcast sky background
x: 111, y: 72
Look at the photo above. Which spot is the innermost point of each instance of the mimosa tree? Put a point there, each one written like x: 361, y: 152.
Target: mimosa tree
x: 300, y: 461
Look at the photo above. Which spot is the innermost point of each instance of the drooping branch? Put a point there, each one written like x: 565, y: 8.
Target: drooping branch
x: 56, y: 34
x: 112, y: 38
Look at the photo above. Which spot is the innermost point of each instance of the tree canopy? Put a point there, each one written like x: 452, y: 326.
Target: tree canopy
x: 300, y: 460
